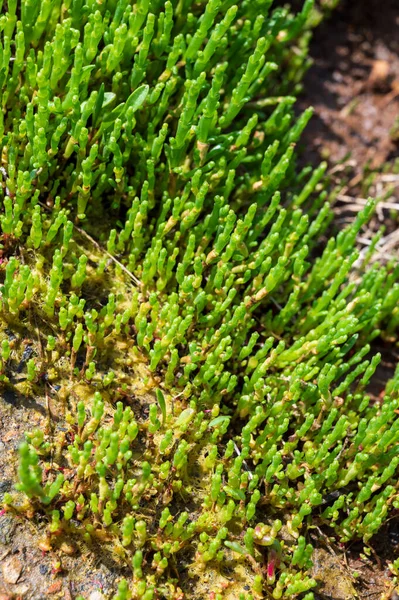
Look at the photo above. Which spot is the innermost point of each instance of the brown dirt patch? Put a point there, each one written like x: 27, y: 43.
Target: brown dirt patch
x: 354, y: 84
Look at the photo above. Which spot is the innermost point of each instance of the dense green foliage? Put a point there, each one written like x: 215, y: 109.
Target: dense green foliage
x: 206, y: 344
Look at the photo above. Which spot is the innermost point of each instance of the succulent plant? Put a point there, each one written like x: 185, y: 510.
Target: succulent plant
x: 204, y: 332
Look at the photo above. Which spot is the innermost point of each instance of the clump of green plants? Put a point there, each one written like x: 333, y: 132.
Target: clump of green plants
x: 205, y: 338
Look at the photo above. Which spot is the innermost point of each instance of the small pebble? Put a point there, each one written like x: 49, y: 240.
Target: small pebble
x: 6, y: 484
x: 12, y: 570
x: 20, y: 590
x: 54, y: 587
x: 96, y: 595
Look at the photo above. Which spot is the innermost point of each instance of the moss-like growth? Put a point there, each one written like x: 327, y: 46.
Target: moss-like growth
x: 206, y: 346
